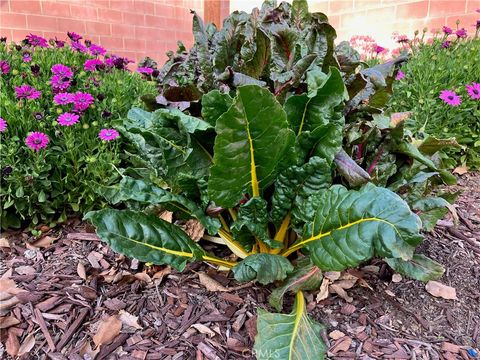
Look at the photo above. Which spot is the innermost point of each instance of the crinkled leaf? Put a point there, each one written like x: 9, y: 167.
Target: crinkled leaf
x: 292, y: 77
x: 350, y: 170
x: 344, y: 228
x: 252, y: 140
x: 289, y: 337
x: 305, y: 276
x: 296, y: 184
x: 419, y: 267
x: 347, y: 57
x: 139, y: 190
x: 214, y: 105
x: 145, y: 237
x: 299, y: 12
x: 264, y: 268
x: 201, y: 43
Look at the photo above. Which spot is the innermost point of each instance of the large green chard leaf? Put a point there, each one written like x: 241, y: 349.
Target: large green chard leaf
x: 344, y: 228
x: 214, y: 105
x: 296, y: 184
x: 419, y: 267
x: 253, y: 140
x: 139, y: 190
x: 253, y: 216
x: 289, y: 337
x: 264, y: 268
x: 305, y: 276
x: 145, y: 237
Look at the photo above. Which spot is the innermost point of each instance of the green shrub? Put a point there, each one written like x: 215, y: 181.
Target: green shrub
x: 60, y: 178
x: 446, y: 63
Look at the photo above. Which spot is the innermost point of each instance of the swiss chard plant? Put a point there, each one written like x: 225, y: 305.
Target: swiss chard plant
x: 283, y: 171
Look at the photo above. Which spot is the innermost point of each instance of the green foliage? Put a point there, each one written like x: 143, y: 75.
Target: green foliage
x: 60, y: 180
x: 431, y: 69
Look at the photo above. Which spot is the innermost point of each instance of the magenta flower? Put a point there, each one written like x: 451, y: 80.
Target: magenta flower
x: 108, y: 134
x: 74, y: 36
x: 446, y: 44
x: 473, y: 90
x: 62, y: 70
x: 447, y: 30
x: 37, y: 140
x: 68, y: 119
x: 97, y: 50
x: 145, y: 70
x: 27, y: 92
x: 63, y: 98
x: 92, y: 64
x: 461, y: 33
x: 81, y: 101
x: 36, y: 40
x: 3, y: 125
x: 60, y: 83
x: 59, y: 43
x: 26, y: 57
x: 450, y: 97
x: 400, y: 75
x: 79, y: 47
x: 378, y: 49
x: 4, y: 67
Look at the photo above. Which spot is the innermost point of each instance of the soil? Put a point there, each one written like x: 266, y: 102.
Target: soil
x: 66, y: 293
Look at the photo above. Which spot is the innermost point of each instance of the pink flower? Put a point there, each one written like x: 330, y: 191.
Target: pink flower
x: 446, y: 44
x: 145, y: 70
x: 461, y: 33
x: 68, y: 119
x: 79, y: 47
x: 36, y: 40
x: 92, y: 64
x: 378, y: 49
x: 3, y: 125
x: 74, y: 36
x: 26, y: 57
x: 81, y: 101
x: 37, y: 140
x: 97, y: 50
x: 62, y: 70
x: 473, y: 90
x: 447, y: 30
x: 27, y: 92
x: 400, y: 75
x: 108, y: 134
x: 63, y: 98
x: 450, y: 97
x: 60, y: 83
x: 4, y: 67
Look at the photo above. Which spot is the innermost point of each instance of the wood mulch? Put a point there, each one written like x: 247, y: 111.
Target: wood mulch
x: 68, y: 296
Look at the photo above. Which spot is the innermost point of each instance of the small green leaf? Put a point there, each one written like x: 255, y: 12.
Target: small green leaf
x: 264, y: 268
x: 419, y: 267
x: 289, y: 337
x: 214, y: 105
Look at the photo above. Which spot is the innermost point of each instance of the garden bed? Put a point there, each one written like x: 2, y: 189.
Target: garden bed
x: 68, y: 291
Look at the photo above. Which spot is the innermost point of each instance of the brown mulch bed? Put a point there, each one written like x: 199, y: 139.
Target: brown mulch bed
x: 66, y: 293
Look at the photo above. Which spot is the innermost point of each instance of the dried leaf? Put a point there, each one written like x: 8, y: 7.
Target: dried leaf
x: 7, y: 321
x: 27, y: 345
x: 332, y: 275
x: 336, y: 334
x: 460, y: 170
x: 209, y: 283
x: 203, y: 329
x: 396, y: 278
x: 323, y: 293
x: 166, y: 215
x: 129, y: 320
x: 162, y: 273
x: 25, y: 270
x: 143, y: 277
x: 107, y: 330
x: 11, y: 344
x: 81, y: 271
x: 194, y: 229
x: 438, y: 289
x: 44, y: 242
x: 334, y: 288
x: 4, y: 243
x: 397, y: 118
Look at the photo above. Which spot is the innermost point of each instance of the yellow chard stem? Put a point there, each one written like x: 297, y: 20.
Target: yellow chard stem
x: 282, y: 232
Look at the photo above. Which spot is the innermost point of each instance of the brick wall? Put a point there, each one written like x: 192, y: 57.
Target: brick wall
x: 132, y: 28
x: 380, y: 18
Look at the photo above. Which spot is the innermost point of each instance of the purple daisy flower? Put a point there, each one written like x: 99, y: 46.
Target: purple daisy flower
x: 4, y: 67
x: 473, y: 90
x: 60, y: 83
x: 450, y: 97
x: 81, y: 101
x: 92, y: 64
x: 74, y: 36
x: 446, y: 44
x: 26, y: 57
x: 447, y: 30
x: 62, y: 71
x: 63, y: 98
x: 68, y: 119
x: 59, y: 43
x: 37, y: 140
x: 378, y: 49
x: 36, y: 40
x: 79, y: 47
x: 27, y: 92
x: 145, y: 70
x: 3, y: 125
x: 461, y: 33
x: 97, y: 50
x: 108, y: 134
x: 400, y: 75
